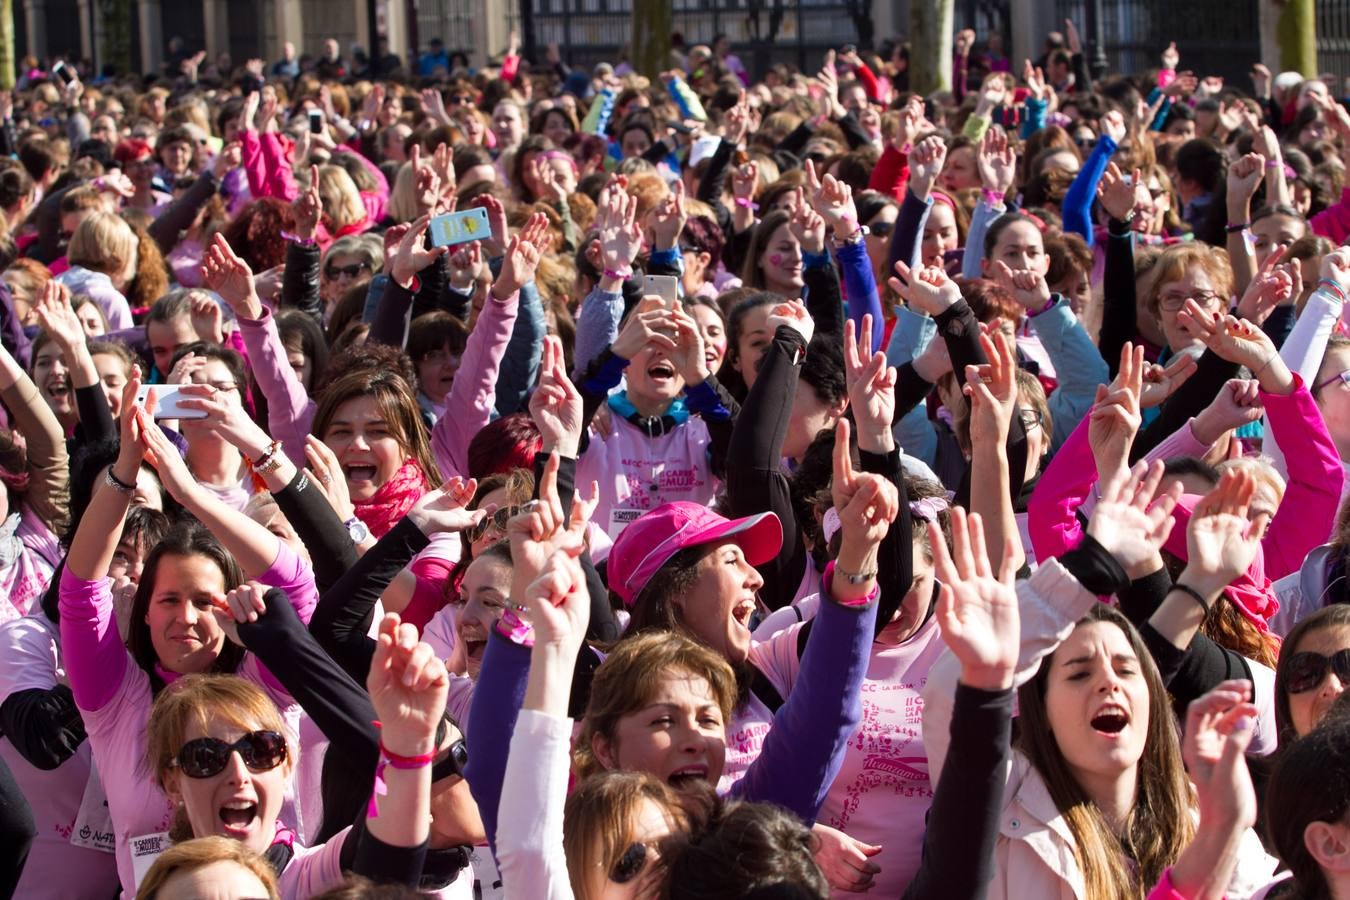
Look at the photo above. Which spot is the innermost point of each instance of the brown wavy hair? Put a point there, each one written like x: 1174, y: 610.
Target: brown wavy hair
x: 396, y: 401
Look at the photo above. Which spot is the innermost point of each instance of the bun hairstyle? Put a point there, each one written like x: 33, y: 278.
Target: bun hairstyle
x: 15, y: 185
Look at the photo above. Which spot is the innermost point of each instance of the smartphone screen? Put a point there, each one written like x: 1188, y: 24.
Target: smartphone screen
x: 460, y: 227
x: 315, y: 121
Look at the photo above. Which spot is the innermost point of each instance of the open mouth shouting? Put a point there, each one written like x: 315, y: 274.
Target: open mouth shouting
x: 1110, y: 720
x: 688, y: 775
x: 238, y: 816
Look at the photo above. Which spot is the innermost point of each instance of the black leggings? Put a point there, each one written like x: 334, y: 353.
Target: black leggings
x: 17, y: 831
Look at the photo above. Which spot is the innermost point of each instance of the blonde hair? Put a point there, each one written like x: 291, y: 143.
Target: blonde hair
x: 403, y: 198
x: 598, y: 824
x: 199, y: 853
x: 1173, y: 262
x: 105, y: 243
x: 628, y: 679
x: 341, y: 200
x: 199, y: 700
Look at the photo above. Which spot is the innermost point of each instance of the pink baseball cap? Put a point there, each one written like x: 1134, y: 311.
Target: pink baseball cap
x: 649, y: 542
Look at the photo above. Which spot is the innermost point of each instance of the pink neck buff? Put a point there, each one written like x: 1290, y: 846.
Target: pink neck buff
x: 394, y: 498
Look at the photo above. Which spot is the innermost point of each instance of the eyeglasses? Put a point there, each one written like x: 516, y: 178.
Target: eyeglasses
x: 495, y: 522
x: 1342, y: 377
x: 207, y: 757
x: 1087, y: 143
x: 1307, y: 669
x: 1174, y: 302
x: 881, y: 229
x: 459, y: 99
x: 1031, y: 418
x: 631, y: 863
x: 352, y: 271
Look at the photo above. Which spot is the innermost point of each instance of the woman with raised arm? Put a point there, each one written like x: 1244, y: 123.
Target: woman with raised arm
x: 171, y: 631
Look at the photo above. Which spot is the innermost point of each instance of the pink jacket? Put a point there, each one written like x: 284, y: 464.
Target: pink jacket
x: 473, y: 396
x: 267, y: 163
x: 1302, y: 523
x: 290, y: 411
x: 1334, y: 221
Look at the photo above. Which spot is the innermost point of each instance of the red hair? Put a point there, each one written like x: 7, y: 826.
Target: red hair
x: 508, y: 443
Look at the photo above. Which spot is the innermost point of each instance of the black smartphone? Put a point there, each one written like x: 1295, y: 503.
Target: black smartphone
x: 63, y: 72
x: 315, y: 121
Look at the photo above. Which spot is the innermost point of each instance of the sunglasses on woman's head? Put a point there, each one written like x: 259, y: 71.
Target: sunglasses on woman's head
x: 352, y: 271
x: 494, y: 522
x: 630, y: 864
x: 1307, y: 669
x: 206, y: 757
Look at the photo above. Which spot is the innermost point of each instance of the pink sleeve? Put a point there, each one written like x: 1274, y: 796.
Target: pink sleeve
x: 1165, y: 890
x: 891, y: 173
x: 290, y: 411
x: 280, y: 178
x: 868, y: 79
x: 1166, y: 77
x: 510, y: 66
x: 254, y: 166
x: 1307, y: 515
x: 427, y: 599
x: 293, y: 575
x: 474, y: 393
x: 91, y: 648
x: 1052, y: 512
x: 1181, y: 442
x: 1334, y: 221
x: 377, y: 200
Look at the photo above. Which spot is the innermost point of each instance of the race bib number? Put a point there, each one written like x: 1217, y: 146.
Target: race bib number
x: 145, y: 849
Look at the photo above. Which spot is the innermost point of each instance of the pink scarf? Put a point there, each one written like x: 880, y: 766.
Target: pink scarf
x: 393, y: 500
x: 1250, y: 592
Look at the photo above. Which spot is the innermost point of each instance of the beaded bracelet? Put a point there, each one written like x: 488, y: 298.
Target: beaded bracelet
x: 1331, y: 287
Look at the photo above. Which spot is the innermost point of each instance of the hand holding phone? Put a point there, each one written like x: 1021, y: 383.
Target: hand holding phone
x: 460, y: 227
x: 168, y: 401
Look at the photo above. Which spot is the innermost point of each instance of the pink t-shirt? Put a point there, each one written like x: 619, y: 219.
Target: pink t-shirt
x: 637, y: 473
x: 313, y: 870
x: 883, y: 790
x: 64, y: 861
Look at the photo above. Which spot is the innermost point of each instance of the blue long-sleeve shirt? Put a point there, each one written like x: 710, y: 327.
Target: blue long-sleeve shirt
x: 597, y: 327
x: 1077, y: 205
x: 860, y: 287
x: 1079, y: 367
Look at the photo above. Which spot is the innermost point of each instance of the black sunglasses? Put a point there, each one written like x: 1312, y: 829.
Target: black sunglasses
x: 497, y: 521
x: 630, y: 863
x: 352, y: 271
x: 1307, y: 669
x: 460, y: 100
x: 206, y: 757
x: 881, y: 229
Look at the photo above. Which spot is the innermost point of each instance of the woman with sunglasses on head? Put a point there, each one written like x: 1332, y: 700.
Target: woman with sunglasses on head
x: 171, y: 631
x: 219, y: 748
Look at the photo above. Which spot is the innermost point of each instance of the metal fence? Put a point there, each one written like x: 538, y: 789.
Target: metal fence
x: 1333, y: 39
x: 1215, y: 37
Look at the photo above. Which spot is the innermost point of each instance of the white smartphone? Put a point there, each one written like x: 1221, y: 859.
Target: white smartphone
x: 663, y: 286
x: 168, y: 402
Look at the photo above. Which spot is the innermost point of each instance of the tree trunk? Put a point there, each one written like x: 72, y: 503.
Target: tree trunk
x: 117, y: 33
x: 1298, y: 37
x: 651, y: 37
x: 7, y: 74
x: 930, y: 45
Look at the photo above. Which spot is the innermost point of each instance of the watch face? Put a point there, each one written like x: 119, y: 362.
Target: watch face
x: 357, y: 531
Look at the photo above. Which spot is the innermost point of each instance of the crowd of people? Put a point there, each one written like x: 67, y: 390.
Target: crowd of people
x: 801, y: 487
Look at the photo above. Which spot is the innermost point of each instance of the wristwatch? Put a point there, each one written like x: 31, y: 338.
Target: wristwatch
x: 356, y: 530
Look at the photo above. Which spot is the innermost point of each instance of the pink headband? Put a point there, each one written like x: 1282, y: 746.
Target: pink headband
x: 940, y: 197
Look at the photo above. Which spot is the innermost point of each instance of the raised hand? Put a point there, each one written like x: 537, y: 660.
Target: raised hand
x: 1115, y: 416
x: 132, y: 446
x: 555, y: 405
x: 326, y: 473
x: 1113, y: 126
x: 465, y: 263
x: 992, y: 389
x: 1238, y: 403
x: 230, y: 277
x: 521, y: 257
x: 1170, y: 57
x: 928, y: 290
x: 495, y: 245
x: 443, y: 163
x: 446, y: 508
x: 866, y: 503
x: 1120, y: 196
x: 230, y: 157
x: 689, y: 356
x: 832, y: 199
x: 925, y: 164
x: 1219, y: 728
x: 1027, y: 286
x: 412, y: 257
x: 1244, y: 177
x: 56, y: 315
x: 1274, y: 285
x: 248, y: 116
x: 117, y: 184
x: 992, y: 93
x: 911, y: 124
x: 173, y: 471
x: 620, y: 232
x: 1182, y: 86
x: 1240, y: 342
x: 794, y: 315
x: 558, y: 604
x: 650, y: 323
x: 242, y: 605
x: 541, y: 528
x: 871, y: 388
x: 1129, y: 522
x: 976, y: 611
x: 1161, y: 382
x: 806, y: 225
x: 207, y: 320
x: 433, y: 104
x: 1035, y: 79
x: 997, y: 162
x: 1221, y: 541
x: 1335, y: 269
x: 426, y: 183
x: 667, y: 218
x: 408, y: 687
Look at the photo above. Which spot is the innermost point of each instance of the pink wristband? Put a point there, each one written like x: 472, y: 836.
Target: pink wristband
x: 622, y: 276
x: 515, y: 629
x: 746, y: 203
x: 1049, y: 305
x: 993, y: 198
